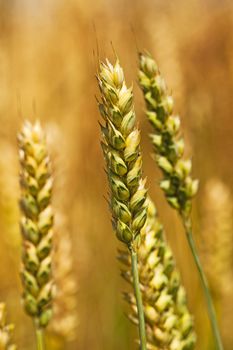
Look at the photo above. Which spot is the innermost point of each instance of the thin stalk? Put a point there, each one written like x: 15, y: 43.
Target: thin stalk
x: 40, y: 338
x: 138, y: 296
x: 210, y: 306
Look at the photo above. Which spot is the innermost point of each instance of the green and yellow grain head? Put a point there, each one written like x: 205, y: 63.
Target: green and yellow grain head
x: 177, y: 183
x: 169, y: 324
x: 5, y: 330
x: 36, y: 223
x: 121, y: 148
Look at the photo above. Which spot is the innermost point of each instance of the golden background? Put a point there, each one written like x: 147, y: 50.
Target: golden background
x: 49, y: 51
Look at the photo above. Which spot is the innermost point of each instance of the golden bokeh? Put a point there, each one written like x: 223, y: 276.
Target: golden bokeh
x: 49, y: 51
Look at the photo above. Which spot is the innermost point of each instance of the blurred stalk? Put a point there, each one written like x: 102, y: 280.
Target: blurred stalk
x: 40, y: 338
x: 210, y: 306
x: 138, y: 296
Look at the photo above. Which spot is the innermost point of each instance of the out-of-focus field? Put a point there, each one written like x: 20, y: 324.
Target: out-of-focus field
x: 48, y: 57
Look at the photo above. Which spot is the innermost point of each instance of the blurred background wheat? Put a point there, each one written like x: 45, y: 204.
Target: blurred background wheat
x: 48, y: 56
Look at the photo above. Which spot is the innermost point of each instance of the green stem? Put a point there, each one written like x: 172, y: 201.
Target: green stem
x: 211, y: 311
x: 40, y: 338
x: 138, y: 296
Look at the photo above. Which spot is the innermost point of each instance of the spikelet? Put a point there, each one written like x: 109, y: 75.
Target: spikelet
x: 36, y: 223
x: 169, y: 324
x: 122, y: 153
x: 64, y: 321
x: 5, y: 330
x: 177, y: 183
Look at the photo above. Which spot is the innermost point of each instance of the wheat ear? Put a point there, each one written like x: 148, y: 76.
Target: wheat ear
x: 169, y: 325
x: 120, y: 144
x: 36, y: 226
x: 217, y: 235
x: 177, y: 184
x: 64, y: 321
x: 5, y: 330
x: 217, y: 247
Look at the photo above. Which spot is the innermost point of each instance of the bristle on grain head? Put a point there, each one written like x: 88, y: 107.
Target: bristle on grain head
x: 177, y: 184
x: 36, y: 222
x: 121, y: 149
